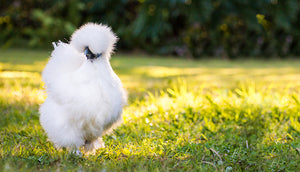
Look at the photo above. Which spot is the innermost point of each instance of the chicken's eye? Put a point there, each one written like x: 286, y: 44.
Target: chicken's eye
x: 88, y: 53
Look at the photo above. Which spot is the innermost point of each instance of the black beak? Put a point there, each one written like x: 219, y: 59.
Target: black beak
x: 90, y: 56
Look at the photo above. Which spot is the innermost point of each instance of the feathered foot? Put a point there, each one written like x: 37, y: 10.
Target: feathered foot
x: 91, y: 147
x: 77, y: 152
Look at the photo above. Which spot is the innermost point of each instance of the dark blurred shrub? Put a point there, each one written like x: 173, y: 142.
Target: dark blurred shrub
x: 190, y: 28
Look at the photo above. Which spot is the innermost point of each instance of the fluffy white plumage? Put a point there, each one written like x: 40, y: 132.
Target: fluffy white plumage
x: 85, y: 96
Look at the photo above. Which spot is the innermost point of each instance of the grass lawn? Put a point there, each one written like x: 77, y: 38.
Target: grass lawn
x: 182, y: 115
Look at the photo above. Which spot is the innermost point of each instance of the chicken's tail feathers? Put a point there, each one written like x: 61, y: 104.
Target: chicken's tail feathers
x: 56, y: 44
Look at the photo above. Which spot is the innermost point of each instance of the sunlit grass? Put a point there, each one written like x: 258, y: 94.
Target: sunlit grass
x: 182, y: 115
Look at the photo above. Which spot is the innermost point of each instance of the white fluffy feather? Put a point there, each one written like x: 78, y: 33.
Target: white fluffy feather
x: 85, y: 98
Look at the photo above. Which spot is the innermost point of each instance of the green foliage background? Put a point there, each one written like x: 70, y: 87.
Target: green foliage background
x: 190, y: 28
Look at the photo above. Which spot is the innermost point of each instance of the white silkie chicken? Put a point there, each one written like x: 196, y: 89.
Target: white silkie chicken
x: 85, y: 96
